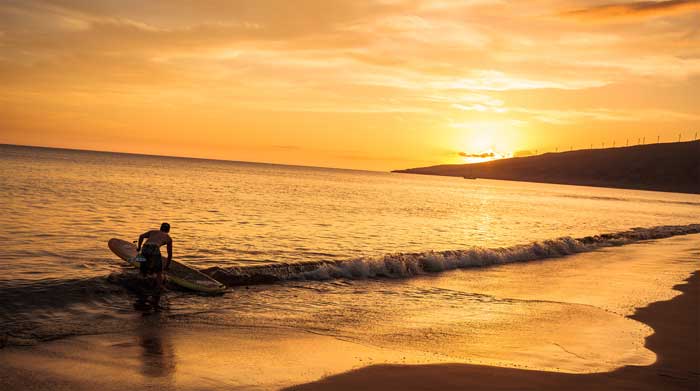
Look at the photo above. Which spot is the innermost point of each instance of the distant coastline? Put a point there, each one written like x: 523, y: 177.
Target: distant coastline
x: 671, y: 167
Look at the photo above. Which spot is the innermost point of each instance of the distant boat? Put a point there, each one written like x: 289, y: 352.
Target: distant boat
x: 469, y: 177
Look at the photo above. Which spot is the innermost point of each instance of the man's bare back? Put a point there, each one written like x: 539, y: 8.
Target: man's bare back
x: 159, y: 238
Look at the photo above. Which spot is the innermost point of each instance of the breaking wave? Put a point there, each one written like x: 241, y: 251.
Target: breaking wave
x: 53, y: 309
x: 626, y: 199
x: 402, y: 265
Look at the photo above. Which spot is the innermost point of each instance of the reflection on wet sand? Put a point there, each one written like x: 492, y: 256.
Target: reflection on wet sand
x: 158, y: 358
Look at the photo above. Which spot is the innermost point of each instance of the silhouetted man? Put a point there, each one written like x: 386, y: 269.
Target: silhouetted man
x: 151, y: 252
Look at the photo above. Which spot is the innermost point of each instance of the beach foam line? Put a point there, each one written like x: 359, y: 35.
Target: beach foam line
x: 404, y: 265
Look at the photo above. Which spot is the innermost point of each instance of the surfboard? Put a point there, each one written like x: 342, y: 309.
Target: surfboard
x: 179, y: 273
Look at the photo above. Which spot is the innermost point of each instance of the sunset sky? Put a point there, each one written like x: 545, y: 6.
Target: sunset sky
x: 363, y: 84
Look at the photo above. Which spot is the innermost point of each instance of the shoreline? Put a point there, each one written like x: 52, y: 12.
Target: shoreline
x: 601, y: 185
x: 675, y: 341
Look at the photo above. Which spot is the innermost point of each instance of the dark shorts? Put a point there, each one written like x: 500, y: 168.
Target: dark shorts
x: 154, y: 261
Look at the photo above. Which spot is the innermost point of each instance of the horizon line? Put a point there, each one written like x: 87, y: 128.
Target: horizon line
x: 190, y: 157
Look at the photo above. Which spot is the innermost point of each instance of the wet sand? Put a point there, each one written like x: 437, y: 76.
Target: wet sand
x: 675, y: 342
x: 182, y: 358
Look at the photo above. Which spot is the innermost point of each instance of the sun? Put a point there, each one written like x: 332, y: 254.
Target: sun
x: 483, y: 141
x: 479, y: 144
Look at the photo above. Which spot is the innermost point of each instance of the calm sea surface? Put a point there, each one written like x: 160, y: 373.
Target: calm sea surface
x: 59, y: 208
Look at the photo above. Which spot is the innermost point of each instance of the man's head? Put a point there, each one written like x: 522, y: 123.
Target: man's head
x: 165, y: 227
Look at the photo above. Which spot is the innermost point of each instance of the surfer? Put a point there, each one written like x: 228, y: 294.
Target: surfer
x: 151, y: 251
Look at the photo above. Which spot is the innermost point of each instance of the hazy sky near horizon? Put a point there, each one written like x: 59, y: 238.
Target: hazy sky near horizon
x: 373, y: 84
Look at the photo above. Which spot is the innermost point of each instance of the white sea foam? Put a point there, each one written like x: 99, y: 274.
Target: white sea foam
x: 402, y: 265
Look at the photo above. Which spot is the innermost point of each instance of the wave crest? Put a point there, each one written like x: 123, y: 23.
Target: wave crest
x: 402, y: 265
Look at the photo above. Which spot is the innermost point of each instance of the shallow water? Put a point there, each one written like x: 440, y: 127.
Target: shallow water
x: 58, y: 278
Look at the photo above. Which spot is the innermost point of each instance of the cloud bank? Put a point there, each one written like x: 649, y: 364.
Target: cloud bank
x: 635, y: 10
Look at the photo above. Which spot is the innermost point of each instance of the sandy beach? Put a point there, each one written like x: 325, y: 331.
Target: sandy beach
x: 675, y: 342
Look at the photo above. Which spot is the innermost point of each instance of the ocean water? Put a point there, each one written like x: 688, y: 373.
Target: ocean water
x: 339, y: 245
x: 60, y: 207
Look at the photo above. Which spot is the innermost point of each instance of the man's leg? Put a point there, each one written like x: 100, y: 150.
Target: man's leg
x: 158, y: 290
x: 159, y: 281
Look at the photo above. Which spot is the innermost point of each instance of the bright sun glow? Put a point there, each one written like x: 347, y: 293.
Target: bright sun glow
x: 482, y: 141
x: 485, y: 140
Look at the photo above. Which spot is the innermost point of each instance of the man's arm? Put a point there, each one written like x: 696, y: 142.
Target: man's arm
x: 170, y: 253
x: 141, y: 238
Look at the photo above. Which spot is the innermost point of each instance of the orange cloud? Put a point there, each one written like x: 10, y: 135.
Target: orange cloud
x: 635, y: 10
x: 478, y: 155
